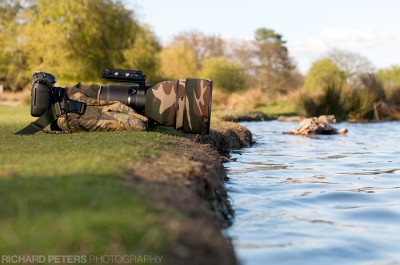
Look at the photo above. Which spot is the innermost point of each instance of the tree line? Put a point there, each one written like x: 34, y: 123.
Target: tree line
x: 347, y: 85
x: 76, y: 39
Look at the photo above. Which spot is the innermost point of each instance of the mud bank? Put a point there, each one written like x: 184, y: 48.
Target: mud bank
x: 189, y: 178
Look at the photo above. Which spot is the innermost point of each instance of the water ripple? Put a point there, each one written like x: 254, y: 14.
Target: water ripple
x: 329, y: 199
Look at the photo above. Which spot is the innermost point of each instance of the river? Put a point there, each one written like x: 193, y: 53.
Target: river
x: 323, y: 200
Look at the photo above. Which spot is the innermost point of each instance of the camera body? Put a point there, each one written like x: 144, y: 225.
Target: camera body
x: 44, y: 94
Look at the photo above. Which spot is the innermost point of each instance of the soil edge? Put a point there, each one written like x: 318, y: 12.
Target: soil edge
x: 189, y: 178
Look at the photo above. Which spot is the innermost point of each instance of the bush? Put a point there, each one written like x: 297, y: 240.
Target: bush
x: 226, y: 74
x: 246, y: 100
x: 323, y: 74
x: 393, y: 95
x: 359, y: 102
x: 346, y: 103
x: 327, y: 101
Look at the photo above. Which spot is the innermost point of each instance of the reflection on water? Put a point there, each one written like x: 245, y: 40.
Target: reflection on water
x: 327, y: 199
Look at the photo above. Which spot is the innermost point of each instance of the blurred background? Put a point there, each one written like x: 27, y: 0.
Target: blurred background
x: 287, y: 57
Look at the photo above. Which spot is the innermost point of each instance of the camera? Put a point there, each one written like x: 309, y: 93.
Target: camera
x: 44, y: 93
x: 45, y: 96
x: 184, y: 104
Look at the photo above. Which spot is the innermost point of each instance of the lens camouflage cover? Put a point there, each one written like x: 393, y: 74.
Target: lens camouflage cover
x: 184, y: 104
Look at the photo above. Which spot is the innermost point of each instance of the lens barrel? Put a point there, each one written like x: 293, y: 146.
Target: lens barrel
x: 132, y: 96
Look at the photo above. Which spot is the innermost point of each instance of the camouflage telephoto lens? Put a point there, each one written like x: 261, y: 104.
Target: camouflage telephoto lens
x: 183, y: 104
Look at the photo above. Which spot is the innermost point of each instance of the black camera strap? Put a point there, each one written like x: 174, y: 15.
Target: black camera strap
x: 38, y: 125
x: 59, y: 108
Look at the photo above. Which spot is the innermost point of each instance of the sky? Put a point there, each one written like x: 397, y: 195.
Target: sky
x: 311, y: 27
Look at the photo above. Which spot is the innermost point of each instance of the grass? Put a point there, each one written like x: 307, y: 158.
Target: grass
x: 67, y: 194
x: 284, y: 107
x: 273, y: 110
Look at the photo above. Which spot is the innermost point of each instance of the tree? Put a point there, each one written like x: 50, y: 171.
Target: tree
x: 269, y: 36
x: 322, y: 92
x: 203, y: 46
x: 178, y: 61
x: 266, y: 62
x: 274, y: 68
x: 75, y: 40
x: 326, y: 92
x: 322, y: 74
x: 12, y: 59
x: 353, y: 65
x: 390, y: 76
x: 359, y: 103
x: 243, y: 52
x: 225, y: 73
x: 143, y: 55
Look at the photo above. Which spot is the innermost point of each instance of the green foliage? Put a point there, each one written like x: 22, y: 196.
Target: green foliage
x: 346, y: 103
x: 143, y: 54
x: 226, y: 74
x: 323, y: 74
x: 359, y: 102
x: 280, y: 108
x: 12, y: 59
x: 327, y: 101
x: 74, y: 40
x: 390, y: 78
x: 269, y: 36
x: 178, y: 61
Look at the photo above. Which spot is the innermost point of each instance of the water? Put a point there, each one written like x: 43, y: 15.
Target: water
x: 324, y: 200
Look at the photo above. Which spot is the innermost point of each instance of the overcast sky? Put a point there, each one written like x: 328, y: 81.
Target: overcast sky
x: 310, y: 27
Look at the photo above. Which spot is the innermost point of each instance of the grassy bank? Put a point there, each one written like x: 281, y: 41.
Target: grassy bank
x: 66, y: 193
x: 103, y: 193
